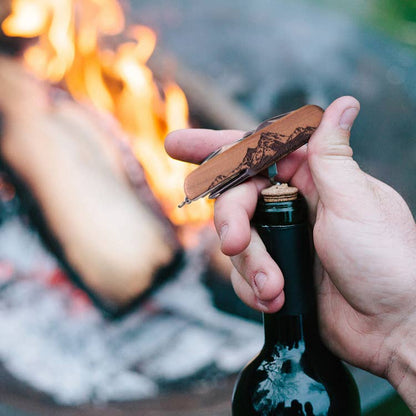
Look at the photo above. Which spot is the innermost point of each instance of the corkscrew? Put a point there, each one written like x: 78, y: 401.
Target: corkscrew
x: 256, y: 151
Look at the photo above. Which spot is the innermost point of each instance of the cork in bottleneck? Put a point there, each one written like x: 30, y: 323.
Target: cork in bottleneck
x: 279, y: 193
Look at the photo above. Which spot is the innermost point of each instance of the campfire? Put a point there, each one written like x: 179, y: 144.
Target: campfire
x: 86, y: 47
x: 85, y: 176
x: 89, y: 163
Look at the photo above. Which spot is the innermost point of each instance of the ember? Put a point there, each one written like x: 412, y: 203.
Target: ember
x: 73, y: 49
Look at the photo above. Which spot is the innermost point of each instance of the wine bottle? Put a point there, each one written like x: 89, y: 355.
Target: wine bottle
x: 294, y: 374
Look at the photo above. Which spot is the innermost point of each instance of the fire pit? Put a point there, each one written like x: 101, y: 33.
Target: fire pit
x: 73, y: 355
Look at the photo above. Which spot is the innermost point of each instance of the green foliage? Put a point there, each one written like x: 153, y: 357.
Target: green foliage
x: 397, y: 17
x: 399, y: 9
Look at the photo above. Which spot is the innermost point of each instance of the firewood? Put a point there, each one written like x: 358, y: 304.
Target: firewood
x: 65, y: 153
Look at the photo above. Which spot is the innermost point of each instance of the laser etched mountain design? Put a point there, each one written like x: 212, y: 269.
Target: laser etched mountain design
x: 271, y: 147
x: 269, y: 142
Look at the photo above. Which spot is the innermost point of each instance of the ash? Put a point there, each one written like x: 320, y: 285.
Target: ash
x: 57, y: 343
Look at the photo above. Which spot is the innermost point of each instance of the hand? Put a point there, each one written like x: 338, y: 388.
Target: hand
x: 364, y: 236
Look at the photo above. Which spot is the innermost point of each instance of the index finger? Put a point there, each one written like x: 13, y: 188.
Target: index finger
x: 194, y: 145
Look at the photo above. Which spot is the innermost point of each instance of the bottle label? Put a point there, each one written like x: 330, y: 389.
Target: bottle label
x: 285, y: 388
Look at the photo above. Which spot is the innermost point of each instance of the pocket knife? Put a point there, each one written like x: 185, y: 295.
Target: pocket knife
x: 256, y: 151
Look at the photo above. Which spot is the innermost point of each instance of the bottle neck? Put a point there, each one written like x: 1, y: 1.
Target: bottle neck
x: 290, y: 330
x: 284, y: 229
x: 286, y: 329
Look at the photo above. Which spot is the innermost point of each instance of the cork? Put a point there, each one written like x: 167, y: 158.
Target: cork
x: 280, y: 193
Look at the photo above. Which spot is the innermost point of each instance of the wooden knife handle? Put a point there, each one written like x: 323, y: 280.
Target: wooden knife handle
x: 257, y: 151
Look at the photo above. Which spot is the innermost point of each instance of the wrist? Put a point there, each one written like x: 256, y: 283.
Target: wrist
x: 401, y: 366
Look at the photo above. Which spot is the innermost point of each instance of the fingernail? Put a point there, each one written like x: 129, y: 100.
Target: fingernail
x: 260, y: 280
x: 347, y: 118
x: 223, y: 231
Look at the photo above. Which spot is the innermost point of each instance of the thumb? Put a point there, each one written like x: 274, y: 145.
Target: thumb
x: 335, y: 174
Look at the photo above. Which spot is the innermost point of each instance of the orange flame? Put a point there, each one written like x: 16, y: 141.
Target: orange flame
x: 70, y: 50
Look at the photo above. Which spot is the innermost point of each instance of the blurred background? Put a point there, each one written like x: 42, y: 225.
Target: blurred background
x: 90, y: 89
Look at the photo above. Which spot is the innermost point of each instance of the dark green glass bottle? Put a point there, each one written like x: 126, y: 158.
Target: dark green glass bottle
x: 294, y: 374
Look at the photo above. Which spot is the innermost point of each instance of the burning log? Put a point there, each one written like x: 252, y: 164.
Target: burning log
x: 91, y: 198
x: 63, y: 145
x: 91, y: 54
x: 65, y: 153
